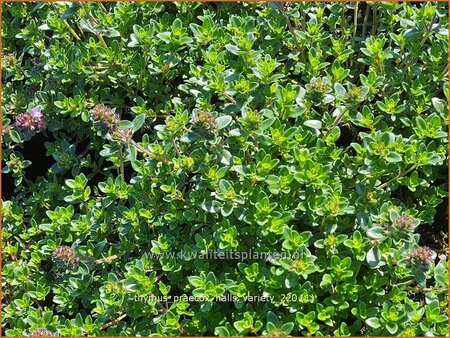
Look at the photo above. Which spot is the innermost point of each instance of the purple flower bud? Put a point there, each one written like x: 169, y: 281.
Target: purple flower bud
x: 105, y: 117
x: 423, y: 256
x: 24, y: 121
x: 42, y: 333
x: 36, y: 113
x: 405, y: 222
x: 65, y: 257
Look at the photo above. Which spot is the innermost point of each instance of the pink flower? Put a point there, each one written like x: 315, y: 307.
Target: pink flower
x: 405, y: 222
x: 42, y: 333
x: 36, y: 113
x: 423, y: 256
x: 105, y: 117
x: 65, y: 257
x: 30, y: 122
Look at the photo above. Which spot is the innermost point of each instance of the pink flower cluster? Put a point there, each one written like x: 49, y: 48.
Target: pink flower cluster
x: 405, y: 222
x: 423, y: 256
x: 42, y: 333
x: 105, y: 117
x: 30, y: 122
x: 65, y: 257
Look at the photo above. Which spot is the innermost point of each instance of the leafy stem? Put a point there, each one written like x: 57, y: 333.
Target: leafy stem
x: 291, y: 29
x: 355, y: 19
x: 400, y: 175
x: 429, y: 29
x: 122, y: 171
x: 74, y: 34
x: 365, y: 21
x: 113, y: 322
x: 336, y: 122
x: 100, y: 37
x: 123, y: 138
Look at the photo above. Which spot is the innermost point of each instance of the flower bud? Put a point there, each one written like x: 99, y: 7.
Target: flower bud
x: 204, y: 119
x: 423, y: 256
x: 405, y: 222
x: 105, y: 117
x: 42, y: 333
x: 65, y: 257
x: 30, y: 122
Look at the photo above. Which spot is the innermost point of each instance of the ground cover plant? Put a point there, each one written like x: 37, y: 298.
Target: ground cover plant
x: 138, y: 138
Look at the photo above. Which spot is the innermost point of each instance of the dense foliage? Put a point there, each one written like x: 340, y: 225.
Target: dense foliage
x: 313, y: 132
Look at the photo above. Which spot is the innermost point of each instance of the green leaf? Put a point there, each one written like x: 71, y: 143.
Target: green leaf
x: 373, y: 258
x: 232, y: 49
x: 71, y: 11
x: 125, y: 124
x: 340, y: 90
x: 85, y: 26
x: 373, y: 323
x: 272, y: 318
x: 189, y: 137
x: 195, y: 281
x: 138, y: 122
x: 421, y: 124
x: 44, y: 27
x: 439, y: 105
x: 111, y: 33
x: 164, y: 36
x: 392, y: 328
x: 15, y: 136
x: 333, y: 135
x: 222, y: 331
x: 287, y: 328
x: 315, y: 124
x: 267, y: 123
x: 420, y: 277
x: 441, y: 275
x: 393, y: 157
x: 223, y: 121
x: 211, y: 206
